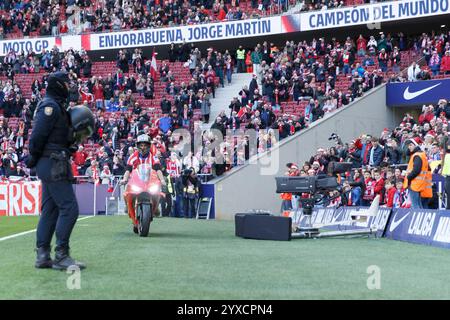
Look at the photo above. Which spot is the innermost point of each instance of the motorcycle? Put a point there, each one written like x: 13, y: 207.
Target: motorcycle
x: 142, y: 195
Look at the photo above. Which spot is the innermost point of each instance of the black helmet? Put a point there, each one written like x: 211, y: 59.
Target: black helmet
x: 56, y: 84
x: 83, y: 122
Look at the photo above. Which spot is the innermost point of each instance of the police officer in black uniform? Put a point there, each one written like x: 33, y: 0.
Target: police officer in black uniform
x: 56, y: 130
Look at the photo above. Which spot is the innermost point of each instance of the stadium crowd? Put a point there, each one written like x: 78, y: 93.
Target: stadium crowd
x: 302, y: 75
x: 291, y: 87
x: 54, y: 17
x: 379, y: 162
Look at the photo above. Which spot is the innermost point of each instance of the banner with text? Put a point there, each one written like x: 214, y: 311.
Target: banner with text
x: 372, y: 14
x: 36, y: 45
x: 417, y: 93
x: 193, y: 33
x: 345, y: 217
x: 430, y: 227
x: 21, y: 198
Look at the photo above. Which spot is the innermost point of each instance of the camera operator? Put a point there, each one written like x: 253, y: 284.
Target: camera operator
x: 334, y: 155
x: 178, y: 206
x: 9, y: 162
x: 168, y: 189
x: 290, y: 201
x: 354, y: 155
x: 191, y: 192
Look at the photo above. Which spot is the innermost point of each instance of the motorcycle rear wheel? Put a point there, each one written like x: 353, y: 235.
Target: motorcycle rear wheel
x: 144, y: 219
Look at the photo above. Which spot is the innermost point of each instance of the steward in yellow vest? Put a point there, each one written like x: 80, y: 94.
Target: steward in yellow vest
x: 418, y: 176
x: 240, y: 59
x: 240, y: 53
x: 446, y: 170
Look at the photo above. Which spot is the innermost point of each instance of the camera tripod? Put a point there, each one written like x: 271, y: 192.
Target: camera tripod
x: 311, y: 230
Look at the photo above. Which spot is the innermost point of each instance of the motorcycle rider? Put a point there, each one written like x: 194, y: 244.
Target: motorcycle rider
x: 141, y: 156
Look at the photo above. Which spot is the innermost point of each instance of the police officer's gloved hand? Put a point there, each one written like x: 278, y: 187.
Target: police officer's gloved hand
x: 31, y: 162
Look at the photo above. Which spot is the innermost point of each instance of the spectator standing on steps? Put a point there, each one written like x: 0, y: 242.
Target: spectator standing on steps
x: 256, y: 58
x: 240, y: 58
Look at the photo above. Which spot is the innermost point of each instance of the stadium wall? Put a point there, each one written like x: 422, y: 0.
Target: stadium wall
x: 246, y: 188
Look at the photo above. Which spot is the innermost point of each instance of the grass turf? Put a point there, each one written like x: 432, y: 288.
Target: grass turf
x: 190, y: 259
x: 12, y: 225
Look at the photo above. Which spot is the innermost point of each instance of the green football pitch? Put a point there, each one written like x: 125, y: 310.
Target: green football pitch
x: 191, y: 259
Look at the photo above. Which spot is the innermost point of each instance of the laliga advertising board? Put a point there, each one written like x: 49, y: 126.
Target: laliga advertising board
x: 421, y: 226
x: 21, y: 198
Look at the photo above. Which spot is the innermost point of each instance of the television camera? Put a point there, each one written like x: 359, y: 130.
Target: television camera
x: 318, y: 188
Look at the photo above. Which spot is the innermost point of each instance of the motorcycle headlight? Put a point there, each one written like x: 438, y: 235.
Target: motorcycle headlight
x: 153, y: 189
x: 136, y: 189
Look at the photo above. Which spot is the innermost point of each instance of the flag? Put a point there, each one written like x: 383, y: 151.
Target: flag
x: 242, y: 112
x: 58, y: 42
x: 153, y: 66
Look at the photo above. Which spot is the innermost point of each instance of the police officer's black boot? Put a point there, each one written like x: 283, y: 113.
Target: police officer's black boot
x: 63, y: 260
x: 43, y: 259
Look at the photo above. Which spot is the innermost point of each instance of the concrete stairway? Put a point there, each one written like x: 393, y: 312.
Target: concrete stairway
x: 225, y: 95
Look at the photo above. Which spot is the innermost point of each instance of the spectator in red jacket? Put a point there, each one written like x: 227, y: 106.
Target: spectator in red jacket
x: 379, y: 184
x: 427, y: 115
x: 361, y: 45
x: 99, y: 95
x: 74, y: 168
x: 80, y: 156
x: 445, y: 63
x: 222, y: 14
x: 369, y: 192
x: 389, y: 193
x: 63, y: 28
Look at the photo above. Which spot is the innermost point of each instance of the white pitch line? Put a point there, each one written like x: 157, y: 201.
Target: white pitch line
x: 34, y: 230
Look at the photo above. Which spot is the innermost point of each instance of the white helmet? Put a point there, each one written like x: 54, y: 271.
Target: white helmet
x: 143, y: 138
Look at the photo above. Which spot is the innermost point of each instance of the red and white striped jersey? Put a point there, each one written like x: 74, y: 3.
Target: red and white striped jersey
x: 135, y: 160
x: 173, y: 168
